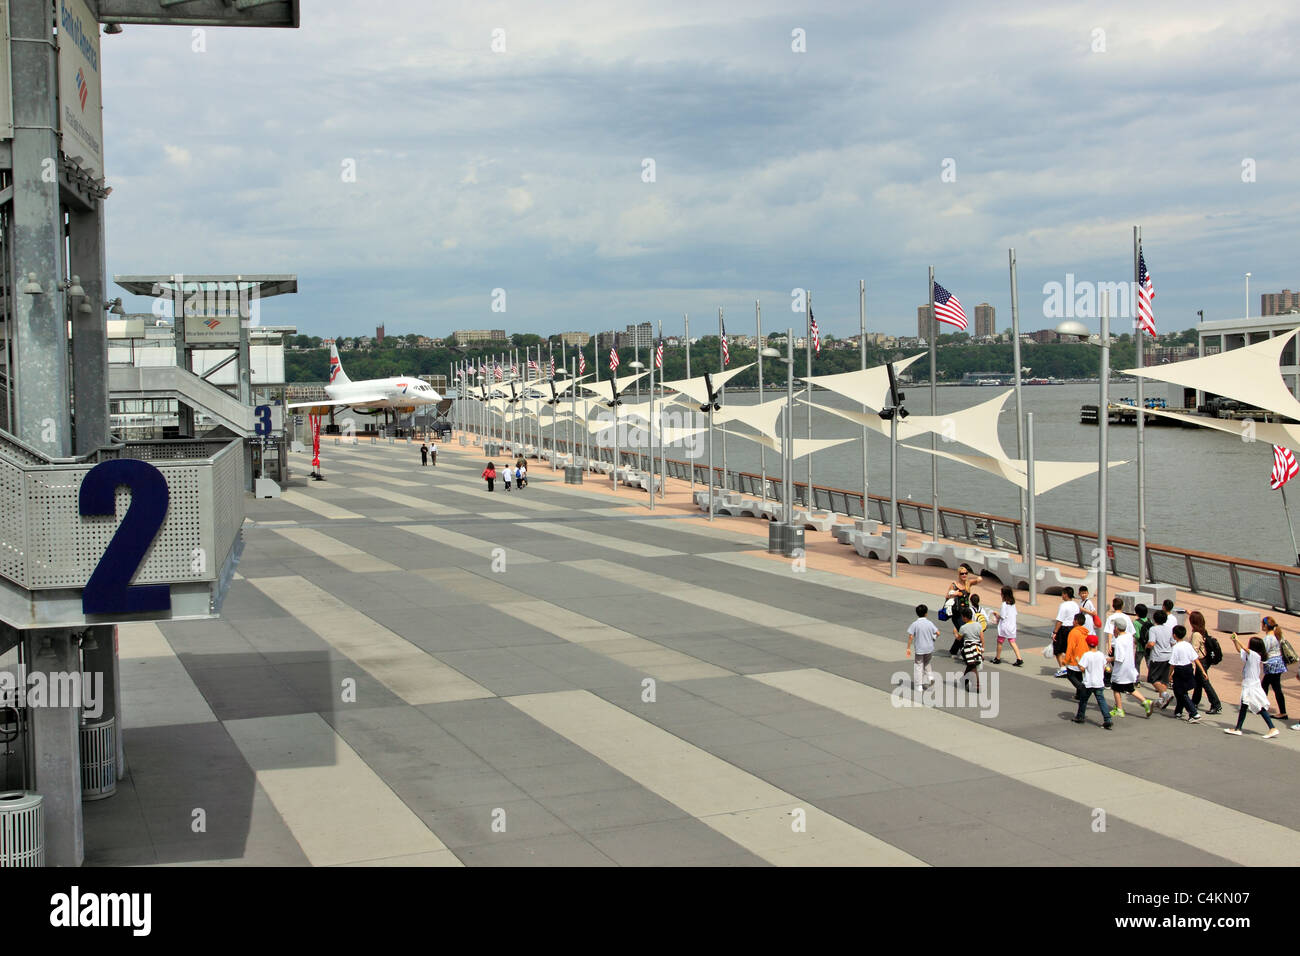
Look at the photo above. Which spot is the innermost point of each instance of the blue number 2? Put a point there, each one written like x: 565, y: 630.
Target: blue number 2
x: 109, y: 589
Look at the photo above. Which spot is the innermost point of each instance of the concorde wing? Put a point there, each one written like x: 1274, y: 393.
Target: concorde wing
x: 328, y: 405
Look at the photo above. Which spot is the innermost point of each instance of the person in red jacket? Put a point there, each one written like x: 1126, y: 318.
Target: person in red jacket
x: 490, y: 474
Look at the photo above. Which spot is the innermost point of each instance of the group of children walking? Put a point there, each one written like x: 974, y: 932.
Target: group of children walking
x: 1093, y: 654
x: 518, y: 472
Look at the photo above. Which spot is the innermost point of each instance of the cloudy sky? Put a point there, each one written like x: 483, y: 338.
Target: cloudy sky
x: 1065, y: 124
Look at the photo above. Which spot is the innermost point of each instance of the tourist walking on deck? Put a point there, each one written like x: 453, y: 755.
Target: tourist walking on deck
x: 1160, y: 644
x: 1123, y: 668
x: 1090, y: 609
x: 521, y: 475
x: 424, y: 455
x: 1141, y: 635
x: 1183, y: 660
x: 507, y: 474
x: 923, y: 634
x: 958, y: 598
x: 1006, y: 618
x: 1076, y: 645
x: 1274, y: 664
x: 1093, y: 666
x: 1116, y: 614
x: 1253, y: 697
x: 1168, y: 607
x: 1061, y: 629
x: 433, y: 453
x: 1208, y: 653
x: 490, y: 475
x: 972, y: 647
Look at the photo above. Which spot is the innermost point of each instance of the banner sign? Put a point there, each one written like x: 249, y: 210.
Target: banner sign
x: 315, y: 442
x: 211, y: 328
x: 81, y: 116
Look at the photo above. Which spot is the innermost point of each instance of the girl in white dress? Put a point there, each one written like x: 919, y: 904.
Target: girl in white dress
x: 1252, y: 690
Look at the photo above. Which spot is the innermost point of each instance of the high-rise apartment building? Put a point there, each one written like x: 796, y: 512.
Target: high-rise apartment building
x: 1278, y: 303
x: 985, y: 320
x: 923, y: 322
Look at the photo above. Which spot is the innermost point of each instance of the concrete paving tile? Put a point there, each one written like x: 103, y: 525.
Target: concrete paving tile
x: 494, y: 822
x: 668, y: 843
x: 606, y: 809
x: 568, y: 849
x: 565, y: 779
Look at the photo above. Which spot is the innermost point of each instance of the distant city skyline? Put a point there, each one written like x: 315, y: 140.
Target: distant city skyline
x: 681, y: 158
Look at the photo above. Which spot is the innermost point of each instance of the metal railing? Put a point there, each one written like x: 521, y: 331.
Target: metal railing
x: 1217, y: 575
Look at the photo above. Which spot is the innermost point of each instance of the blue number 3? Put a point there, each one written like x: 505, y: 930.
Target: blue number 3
x: 109, y: 589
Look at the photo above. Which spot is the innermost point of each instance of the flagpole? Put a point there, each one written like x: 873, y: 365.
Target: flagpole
x: 862, y: 349
x: 1290, y: 526
x: 1025, y: 543
x: 808, y: 497
x: 722, y: 332
x: 663, y: 446
x: 762, y: 449
x: 687, y: 319
x: 652, y: 426
x: 934, y: 410
x: 1141, y: 422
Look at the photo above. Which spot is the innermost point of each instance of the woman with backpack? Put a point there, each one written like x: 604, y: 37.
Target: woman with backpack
x: 490, y: 475
x: 1274, y: 664
x: 1252, y: 690
x: 1209, y: 653
x: 958, y: 600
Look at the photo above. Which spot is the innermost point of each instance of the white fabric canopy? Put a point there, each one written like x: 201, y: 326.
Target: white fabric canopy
x: 976, y: 427
x: 1047, y: 474
x: 802, y: 446
x: 604, y: 389
x: 695, y: 387
x: 1278, y: 433
x: 761, y: 418
x: 1251, y: 375
x: 868, y: 387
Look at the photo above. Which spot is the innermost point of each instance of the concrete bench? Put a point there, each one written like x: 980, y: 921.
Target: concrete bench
x: 1160, y: 593
x: 1132, y: 599
x: 841, y: 532
x: 814, y: 520
x: 1239, y: 620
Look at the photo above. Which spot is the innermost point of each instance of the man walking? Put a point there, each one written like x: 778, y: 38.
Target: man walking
x: 433, y: 452
x: 424, y: 455
x: 923, y: 634
x: 1093, y: 665
x: 1061, y: 630
x: 1182, y: 658
x: 1160, y: 644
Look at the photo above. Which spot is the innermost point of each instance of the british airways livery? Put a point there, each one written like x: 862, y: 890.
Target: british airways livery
x: 403, y: 394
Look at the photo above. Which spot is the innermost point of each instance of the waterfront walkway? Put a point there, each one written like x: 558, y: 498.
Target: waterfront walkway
x: 410, y: 671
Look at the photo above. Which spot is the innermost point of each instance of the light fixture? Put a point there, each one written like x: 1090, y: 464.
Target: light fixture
x: 115, y: 306
x: 112, y: 29
x: 1074, y: 329
x: 74, y: 287
x: 31, y: 286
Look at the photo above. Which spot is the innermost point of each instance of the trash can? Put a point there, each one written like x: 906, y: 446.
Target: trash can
x: 463, y: 440
x: 22, y: 829
x: 793, y: 540
x: 572, y: 475
x: 99, y: 760
x: 776, y: 537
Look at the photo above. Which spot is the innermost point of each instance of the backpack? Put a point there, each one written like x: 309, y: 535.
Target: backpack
x: 1213, y: 651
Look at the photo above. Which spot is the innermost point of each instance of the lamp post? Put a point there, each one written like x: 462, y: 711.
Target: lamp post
x: 1079, y: 330
x: 892, y: 414
x: 1248, y: 295
x: 709, y: 408
x: 638, y: 365
x: 778, y: 533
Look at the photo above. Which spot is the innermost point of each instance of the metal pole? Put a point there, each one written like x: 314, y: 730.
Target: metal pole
x: 687, y: 319
x: 663, y: 446
x: 1032, y: 533
x: 726, y: 483
x: 808, y: 389
x: 893, y: 494
x: 710, y: 413
x: 1103, y: 418
x: 862, y: 350
x: 652, y: 426
x: 762, y: 449
x: 1020, y: 405
x: 934, y: 410
x: 1290, y: 526
x: 787, y: 432
x: 1141, y: 424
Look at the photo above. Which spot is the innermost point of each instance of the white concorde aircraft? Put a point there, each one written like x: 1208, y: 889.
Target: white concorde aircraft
x: 402, y: 394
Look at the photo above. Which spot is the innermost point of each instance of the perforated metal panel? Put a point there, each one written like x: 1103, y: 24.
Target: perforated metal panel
x: 46, y: 543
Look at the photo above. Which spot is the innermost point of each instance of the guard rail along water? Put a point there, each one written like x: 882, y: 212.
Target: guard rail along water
x: 1217, y: 575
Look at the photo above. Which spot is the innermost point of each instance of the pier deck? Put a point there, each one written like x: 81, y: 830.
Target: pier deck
x: 409, y: 671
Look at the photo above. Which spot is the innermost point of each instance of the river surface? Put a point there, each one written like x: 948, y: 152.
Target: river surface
x: 1206, y: 490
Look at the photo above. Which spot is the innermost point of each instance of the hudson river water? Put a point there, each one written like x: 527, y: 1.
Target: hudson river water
x: 1206, y: 490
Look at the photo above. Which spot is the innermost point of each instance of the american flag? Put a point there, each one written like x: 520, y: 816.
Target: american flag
x: 499, y: 372
x: 532, y: 366
x: 659, y: 354
x: 816, y: 332
x: 1284, y: 467
x: 582, y: 362
x: 947, y: 307
x: 1145, y: 293
x: 613, y: 359
x: 726, y: 352
x: 552, y: 366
